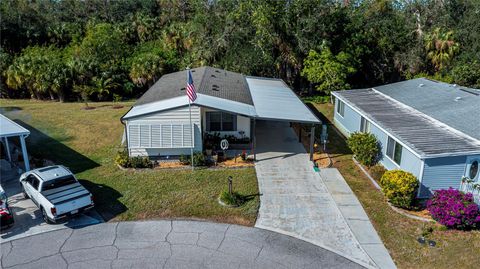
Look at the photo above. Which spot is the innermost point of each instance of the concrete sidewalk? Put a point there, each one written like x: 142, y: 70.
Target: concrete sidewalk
x: 356, y: 217
x: 297, y: 201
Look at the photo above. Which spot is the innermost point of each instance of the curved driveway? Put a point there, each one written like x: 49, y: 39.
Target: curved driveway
x: 166, y: 244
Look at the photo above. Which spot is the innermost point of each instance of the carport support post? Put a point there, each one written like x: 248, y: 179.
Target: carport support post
x: 24, y: 153
x: 7, y: 147
x: 254, y: 141
x: 312, y: 140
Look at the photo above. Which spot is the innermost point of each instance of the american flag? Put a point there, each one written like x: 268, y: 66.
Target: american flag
x: 191, y: 93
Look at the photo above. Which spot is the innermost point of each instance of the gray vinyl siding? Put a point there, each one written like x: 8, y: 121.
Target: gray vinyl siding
x: 351, y: 123
x: 442, y: 173
x: 169, y: 133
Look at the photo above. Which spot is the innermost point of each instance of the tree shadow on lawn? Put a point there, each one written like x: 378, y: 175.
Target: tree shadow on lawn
x: 106, y: 199
x: 42, y: 146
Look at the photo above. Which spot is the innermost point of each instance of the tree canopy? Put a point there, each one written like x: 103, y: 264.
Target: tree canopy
x: 99, y: 50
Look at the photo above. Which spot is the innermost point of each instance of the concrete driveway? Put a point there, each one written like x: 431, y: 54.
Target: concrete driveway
x: 296, y: 201
x: 28, y: 218
x: 166, y: 244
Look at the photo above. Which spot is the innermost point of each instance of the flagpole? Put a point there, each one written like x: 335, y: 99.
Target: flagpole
x: 191, y: 132
x: 191, y: 127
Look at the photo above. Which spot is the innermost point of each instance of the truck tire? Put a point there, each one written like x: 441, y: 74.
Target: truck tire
x: 45, y: 217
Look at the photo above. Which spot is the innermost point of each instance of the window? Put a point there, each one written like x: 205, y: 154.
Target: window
x: 35, y: 183
x: 394, y: 150
x: 473, y: 172
x: 364, y: 125
x: 59, y: 182
x: 340, y: 108
x: 220, y: 121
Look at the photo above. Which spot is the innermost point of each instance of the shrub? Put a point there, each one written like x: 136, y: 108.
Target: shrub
x: 400, y: 187
x: 454, y: 209
x: 234, y: 199
x: 365, y: 147
x: 122, y: 158
x: 140, y: 162
x: 184, y: 159
x: 198, y: 159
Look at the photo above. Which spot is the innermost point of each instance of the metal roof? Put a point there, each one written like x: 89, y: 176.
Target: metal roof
x: 207, y: 80
x: 456, y: 106
x: 423, y: 134
x: 10, y: 128
x: 273, y: 99
x: 202, y: 100
x: 264, y: 98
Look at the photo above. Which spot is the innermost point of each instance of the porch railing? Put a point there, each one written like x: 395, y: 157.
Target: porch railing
x: 471, y: 186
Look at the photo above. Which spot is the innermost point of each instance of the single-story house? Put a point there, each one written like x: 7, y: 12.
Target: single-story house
x: 227, y: 105
x: 426, y: 127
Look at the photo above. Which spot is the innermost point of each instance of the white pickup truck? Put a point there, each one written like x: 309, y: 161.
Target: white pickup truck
x: 56, y: 191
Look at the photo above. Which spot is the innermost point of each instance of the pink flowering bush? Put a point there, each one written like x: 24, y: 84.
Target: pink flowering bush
x: 454, y: 209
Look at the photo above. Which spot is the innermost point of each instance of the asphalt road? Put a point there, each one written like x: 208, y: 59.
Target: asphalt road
x: 166, y: 244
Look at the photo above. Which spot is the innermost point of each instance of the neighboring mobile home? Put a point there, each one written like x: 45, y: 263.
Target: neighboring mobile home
x: 228, y: 104
x: 428, y: 128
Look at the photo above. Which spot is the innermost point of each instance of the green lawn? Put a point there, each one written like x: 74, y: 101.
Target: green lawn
x: 87, y: 140
x: 455, y: 249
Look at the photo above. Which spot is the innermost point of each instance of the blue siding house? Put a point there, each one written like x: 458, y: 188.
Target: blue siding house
x: 426, y: 127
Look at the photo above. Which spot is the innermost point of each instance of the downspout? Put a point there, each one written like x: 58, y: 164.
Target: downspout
x: 125, y: 130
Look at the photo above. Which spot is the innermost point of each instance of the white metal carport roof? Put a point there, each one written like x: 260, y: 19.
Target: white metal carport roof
x: 274, y: 100
x: 10, y: 128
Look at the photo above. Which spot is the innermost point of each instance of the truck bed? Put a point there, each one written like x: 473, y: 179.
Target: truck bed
x: 65, y: 194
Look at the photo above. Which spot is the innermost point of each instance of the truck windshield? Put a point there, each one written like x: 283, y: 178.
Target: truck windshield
x: 58, y: 182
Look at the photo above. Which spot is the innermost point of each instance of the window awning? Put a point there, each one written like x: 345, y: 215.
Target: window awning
x: 10, y: 128
x: 274, y: 100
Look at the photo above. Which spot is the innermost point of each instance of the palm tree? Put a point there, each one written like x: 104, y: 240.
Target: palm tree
x: 102, y: 86
x: 440, y: 48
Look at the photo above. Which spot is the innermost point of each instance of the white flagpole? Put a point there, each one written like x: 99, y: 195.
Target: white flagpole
x: 191, y: 126
x: 191, y: 132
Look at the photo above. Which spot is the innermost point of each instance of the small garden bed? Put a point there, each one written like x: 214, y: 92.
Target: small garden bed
x: 183, y: 162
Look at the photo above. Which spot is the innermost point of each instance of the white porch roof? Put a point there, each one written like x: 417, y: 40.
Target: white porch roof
x: 202, y: 100
x: 10, y: 128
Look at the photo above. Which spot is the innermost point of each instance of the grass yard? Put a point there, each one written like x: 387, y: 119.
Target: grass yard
x: 455, y: 249
x: 86, y: 141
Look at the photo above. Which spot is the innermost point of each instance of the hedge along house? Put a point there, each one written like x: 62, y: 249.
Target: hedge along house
x: 227, y: 105
x: 428, y: 128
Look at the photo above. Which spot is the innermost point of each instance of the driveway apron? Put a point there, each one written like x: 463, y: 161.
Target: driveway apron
x: 294, y: 200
